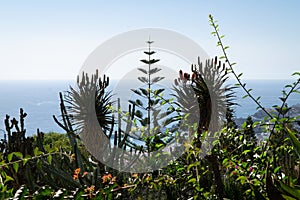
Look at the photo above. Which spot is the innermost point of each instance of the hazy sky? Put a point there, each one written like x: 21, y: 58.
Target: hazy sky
x: 52, y: 39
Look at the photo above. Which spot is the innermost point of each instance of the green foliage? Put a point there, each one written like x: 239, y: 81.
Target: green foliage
x: 56, y: 142
x: 57, y: 166
x: 152, y: 115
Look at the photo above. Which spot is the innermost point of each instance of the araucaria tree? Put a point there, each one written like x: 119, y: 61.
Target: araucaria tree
x: 156, y: 120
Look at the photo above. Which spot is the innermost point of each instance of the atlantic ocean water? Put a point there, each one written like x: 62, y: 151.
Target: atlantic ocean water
x: 40, y: 100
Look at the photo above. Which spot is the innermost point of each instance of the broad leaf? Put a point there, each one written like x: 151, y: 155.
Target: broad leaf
x: 295, y: 141
x: 290, y: 190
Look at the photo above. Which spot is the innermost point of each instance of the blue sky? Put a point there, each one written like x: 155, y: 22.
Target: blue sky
x: 52, y: 39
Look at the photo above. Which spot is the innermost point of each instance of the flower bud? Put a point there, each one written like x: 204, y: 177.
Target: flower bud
x: 176, y: 82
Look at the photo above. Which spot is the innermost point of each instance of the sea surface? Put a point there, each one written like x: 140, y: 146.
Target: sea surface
x: 40, y: 100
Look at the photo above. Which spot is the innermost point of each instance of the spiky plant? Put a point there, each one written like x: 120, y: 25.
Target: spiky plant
x: 79, y: 98
x: 205, y: 91
x: 212, y: 96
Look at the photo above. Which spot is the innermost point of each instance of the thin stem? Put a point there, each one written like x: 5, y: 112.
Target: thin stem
x: 231, y: 68
x: 149, y: 88
x: 35, y: 157
x: 281, y: 107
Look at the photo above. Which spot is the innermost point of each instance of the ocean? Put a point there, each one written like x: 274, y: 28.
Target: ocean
x: 40, y: 100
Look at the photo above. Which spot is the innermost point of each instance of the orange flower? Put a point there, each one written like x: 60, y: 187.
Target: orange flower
x: 113, y: 180
x: 84, y: 174
x: 76, y: 173
x: 90, y: 189
x: 106, y: 178
x: 75, y: 177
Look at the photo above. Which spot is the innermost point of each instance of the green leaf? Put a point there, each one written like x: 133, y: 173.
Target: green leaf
x: 258, y: 98
x: 149, y: 53
x: 277, y: 169
x: 49, y: 158
x: 10, y: 156
x: 157, y: 79
x: 149, y: 62
x: 287, y: 197
x: 18, y: 154
x: 144, y: 91
x: 246, y: 151
x: 288, y: 86
x: 295, y: 141
x: 143, y: 79
x: 143, y: 70
x: 16, y: 167
x: 243, y: 179
x: 159, y: 145
x: 296, y: 73
x: 157, y: 92
x: 292, y: 191
x: 154, y: 70
x: 26, y: 159
x: 225, y: 161
x: 136, y: 91
x: 8, y: 178
x: 245, y: 96
x: 193, y: 180
x: 36, y: 152
x: 139, y: 102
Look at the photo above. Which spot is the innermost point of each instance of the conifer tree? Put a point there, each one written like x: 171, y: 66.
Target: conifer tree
x: 155, y: 119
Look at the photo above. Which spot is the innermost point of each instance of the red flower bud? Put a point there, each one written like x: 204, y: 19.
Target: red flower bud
x: 186, y: 76
x: 194, y: 76
x: 251, y: 169
x: 180, y: 74
x: 176, y: 82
